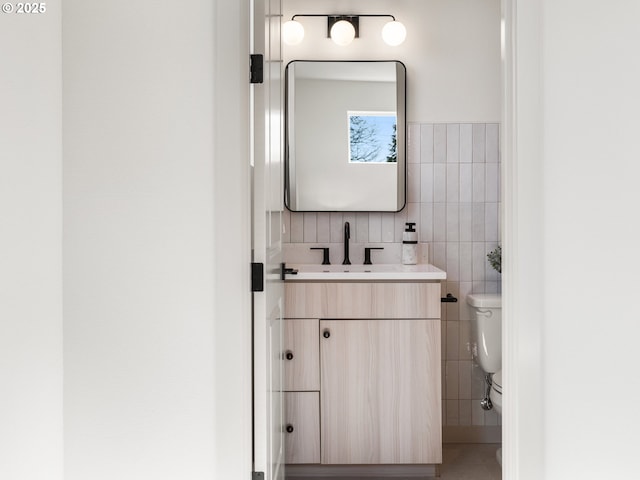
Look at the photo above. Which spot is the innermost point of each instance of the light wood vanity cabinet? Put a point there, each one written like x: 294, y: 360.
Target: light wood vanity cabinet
x: 302, y: 440
x: 379, y: 395
x: 301, y: 350
x: 302, y: 387
x: 366, y: 364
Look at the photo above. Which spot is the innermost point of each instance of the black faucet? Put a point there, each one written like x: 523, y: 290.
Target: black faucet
x: 347, y: 236
x: 367, y: 254
x: 325, y: 254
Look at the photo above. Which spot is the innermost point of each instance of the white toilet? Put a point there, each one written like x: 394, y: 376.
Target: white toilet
x: 486, y: 346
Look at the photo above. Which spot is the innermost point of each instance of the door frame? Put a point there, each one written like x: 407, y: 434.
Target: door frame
x: 522, y: 279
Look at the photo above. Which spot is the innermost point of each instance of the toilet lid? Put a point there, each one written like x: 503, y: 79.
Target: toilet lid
x: 497, y: 381
x: 485, y: 300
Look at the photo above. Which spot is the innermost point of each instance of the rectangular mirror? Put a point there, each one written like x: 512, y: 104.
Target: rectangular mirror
x: 345, y: 136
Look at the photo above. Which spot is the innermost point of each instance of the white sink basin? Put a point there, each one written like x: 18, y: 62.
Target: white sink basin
x: 366, y: 272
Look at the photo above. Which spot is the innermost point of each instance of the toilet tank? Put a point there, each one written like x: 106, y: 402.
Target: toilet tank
x: 486, y: 327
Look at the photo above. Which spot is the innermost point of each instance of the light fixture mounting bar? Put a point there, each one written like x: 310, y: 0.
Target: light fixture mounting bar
x: 343, y: 15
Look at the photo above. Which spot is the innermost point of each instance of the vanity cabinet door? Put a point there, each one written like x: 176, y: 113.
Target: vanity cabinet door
x: 302, y: 427
x: 301, y: 352
x: 380, y: 392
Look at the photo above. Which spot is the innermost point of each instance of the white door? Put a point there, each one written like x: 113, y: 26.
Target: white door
x: 267, y: 243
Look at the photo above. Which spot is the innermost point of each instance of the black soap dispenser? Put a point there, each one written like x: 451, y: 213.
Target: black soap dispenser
x: 410, y: 245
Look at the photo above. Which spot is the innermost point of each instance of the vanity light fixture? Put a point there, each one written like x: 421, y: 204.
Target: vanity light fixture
x: 342, y: 29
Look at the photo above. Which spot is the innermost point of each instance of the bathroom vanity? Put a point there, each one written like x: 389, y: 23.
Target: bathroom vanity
x: 363, y: 366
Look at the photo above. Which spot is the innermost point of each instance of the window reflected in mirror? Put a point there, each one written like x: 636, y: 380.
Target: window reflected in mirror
x: 373, y: 137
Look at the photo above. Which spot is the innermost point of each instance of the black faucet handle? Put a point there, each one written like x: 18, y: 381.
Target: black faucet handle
x: 367, y: 254
x: 325, y: 254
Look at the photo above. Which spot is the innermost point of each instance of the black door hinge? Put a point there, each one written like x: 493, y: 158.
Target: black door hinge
x: 256, y: 67
x: 257, y: 475
x: 257, y: 277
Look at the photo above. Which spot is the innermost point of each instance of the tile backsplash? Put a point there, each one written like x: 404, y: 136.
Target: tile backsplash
x: 453, y: 196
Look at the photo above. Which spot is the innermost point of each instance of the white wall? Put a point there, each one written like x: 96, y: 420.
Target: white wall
x: 451, y: 52
x: 586, y: 188
x: 591, y: 255
x: 156, y: 330
x: 232, y: 246
x: 30, y: 246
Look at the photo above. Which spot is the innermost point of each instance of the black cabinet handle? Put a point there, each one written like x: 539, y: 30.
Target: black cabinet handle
x: 289, y: 355
x: 289, y: 429
x: 326, y: 334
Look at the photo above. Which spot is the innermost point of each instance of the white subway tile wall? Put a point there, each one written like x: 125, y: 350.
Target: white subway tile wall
x: 453, y: 180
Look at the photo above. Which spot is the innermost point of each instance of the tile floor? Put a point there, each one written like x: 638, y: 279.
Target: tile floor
x: 459, y: 462
x: 470, y: 462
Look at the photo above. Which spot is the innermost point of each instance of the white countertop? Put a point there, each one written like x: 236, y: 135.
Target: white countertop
x: 392, y: 272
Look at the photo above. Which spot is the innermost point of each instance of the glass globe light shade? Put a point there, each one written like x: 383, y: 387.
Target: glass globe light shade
x: 394, y: 33
x: 292, y: 32
x: 343, y: 33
